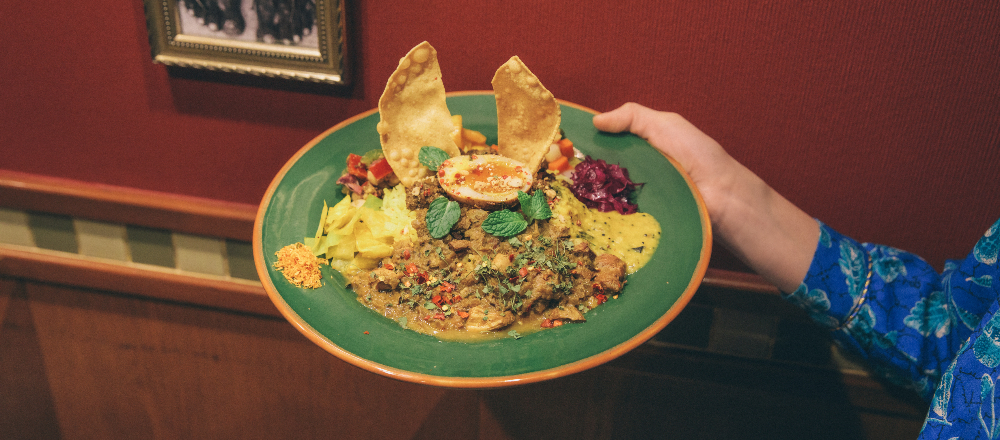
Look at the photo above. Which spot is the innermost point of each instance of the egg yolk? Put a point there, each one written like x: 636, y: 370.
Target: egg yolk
x: 491, y: 177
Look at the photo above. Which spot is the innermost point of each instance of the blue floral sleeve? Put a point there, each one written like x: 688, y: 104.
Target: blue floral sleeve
x: 936, y: 333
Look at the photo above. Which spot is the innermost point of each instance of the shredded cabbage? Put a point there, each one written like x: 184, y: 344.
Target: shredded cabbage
x: 602, y: 186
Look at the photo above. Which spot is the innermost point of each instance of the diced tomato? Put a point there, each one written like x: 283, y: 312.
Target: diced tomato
x: 439, y: 316
x: 437, y: 300
x: 523, y: 272
x: 546, y: 323
x: 380, y: 168
x: 411, y: 268
x: 601, y: 298
x: 355, y: 167
x: 462, y: 314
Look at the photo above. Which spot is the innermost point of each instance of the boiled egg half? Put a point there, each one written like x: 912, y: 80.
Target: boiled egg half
x: 484, y: 180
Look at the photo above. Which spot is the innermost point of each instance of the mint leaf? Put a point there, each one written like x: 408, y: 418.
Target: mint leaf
x: 432, y: 157
x: 535, y: 206
x: 504, y: 223
x: 441, y: 216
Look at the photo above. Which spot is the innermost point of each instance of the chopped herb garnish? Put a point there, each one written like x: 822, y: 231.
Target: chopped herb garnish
x: 372, y: 156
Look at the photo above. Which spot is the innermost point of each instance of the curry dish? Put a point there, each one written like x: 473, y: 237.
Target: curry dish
x: 453, y: 237
x: 469, y: 281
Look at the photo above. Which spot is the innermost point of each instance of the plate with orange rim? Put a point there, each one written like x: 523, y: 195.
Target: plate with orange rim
x: 333, y: 318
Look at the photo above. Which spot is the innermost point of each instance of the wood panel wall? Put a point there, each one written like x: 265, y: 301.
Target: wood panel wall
x: 84, y: 364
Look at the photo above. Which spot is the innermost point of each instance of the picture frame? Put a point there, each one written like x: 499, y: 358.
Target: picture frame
x: 296, y: 40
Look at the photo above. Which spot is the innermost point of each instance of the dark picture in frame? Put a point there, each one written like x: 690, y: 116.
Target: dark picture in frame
x: 301, y: 40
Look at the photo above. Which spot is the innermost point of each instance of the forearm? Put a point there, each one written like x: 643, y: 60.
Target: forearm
x: 765, y: 230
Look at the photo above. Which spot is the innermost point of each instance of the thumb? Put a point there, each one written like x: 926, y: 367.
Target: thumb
x: 623, y: 118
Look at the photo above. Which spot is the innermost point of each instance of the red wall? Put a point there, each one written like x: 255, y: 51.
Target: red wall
x: 882, y: 120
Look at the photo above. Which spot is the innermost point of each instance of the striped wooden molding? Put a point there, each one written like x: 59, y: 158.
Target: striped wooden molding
x: 116, y: 204
x: 179, y: 213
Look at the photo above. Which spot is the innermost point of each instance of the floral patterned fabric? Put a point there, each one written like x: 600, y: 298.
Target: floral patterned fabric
x: 938, y: 334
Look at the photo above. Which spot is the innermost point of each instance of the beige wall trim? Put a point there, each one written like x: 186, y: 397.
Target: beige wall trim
x: 179, y: 213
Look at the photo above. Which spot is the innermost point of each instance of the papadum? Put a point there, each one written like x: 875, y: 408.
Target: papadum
x: 414, y: 114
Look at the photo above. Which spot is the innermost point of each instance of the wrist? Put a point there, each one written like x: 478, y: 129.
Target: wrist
x: 764, y: 230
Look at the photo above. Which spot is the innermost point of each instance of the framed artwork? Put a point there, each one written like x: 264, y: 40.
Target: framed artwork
x: 301, y: 40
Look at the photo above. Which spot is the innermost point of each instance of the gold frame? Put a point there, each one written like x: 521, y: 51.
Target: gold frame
x: 325, y: 64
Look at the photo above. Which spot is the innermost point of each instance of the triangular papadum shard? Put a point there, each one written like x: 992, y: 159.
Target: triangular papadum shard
x: 528, y: 115
x: 414, y: 114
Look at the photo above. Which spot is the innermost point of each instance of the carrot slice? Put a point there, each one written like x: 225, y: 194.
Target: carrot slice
x: 559, y: 165
x: 566, y: 147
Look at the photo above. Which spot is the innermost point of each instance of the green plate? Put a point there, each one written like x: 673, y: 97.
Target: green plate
x: 333, y: 318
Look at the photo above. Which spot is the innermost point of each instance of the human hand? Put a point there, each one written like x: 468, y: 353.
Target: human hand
x: 757, y: 224
x: 710, y: 167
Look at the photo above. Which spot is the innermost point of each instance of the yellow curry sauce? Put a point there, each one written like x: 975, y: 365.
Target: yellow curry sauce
x: 631, y: 237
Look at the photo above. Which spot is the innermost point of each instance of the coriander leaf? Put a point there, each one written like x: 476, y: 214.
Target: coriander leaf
x: 402, y: 321
x: 371, y: 156
x: 535, y: 206
x: 441, y: 216
x: 504, y: 223
x: 514, y: 334
x: 432, y: 157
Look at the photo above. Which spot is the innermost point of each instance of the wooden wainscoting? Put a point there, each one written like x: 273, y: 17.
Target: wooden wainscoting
x: 99, y: 348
